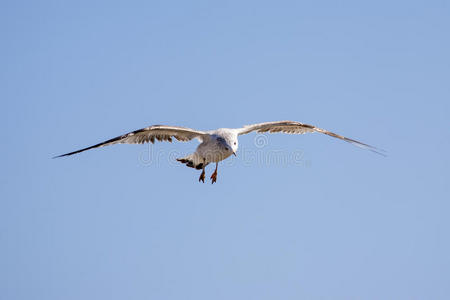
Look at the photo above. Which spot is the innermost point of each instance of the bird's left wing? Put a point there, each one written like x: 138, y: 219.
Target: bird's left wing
x: 291, y: 127
x: 150, y: 134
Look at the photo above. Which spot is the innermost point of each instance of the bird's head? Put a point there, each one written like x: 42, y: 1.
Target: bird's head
x: 229, y: 143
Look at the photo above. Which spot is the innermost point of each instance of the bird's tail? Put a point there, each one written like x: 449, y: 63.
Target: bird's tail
x: 193, y: 161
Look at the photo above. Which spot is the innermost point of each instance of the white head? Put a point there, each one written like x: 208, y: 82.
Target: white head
x: 229, y: 141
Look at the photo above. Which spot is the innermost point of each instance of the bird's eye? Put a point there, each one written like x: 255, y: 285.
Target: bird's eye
x: 226, y: 148
x: 235, y: 143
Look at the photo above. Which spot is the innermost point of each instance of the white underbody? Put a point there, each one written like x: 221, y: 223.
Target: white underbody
x: 211, y: 150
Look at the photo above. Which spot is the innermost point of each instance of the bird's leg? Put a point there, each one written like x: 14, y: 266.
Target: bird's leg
x: 214, y: 175
x: 202, y: 176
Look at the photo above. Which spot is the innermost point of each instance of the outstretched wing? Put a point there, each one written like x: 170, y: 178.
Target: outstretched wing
x: 149, y: 134
x: 291, y: 127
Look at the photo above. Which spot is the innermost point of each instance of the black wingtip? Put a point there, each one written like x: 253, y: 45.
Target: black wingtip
x: 62, y: 155
x: 373, y: 149
x: 379, y: 152
x: 75, y: 152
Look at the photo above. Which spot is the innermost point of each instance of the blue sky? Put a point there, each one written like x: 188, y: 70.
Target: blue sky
x: 323, y: 220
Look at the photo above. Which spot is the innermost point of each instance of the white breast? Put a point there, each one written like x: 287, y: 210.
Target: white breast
x: 211, y: 151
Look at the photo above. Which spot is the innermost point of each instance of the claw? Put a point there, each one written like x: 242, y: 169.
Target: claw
x: 214, y: 177
x: 202, y: 177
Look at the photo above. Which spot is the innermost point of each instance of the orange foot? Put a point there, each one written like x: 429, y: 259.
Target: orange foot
x: 202, y: 177
x: 214, y: 177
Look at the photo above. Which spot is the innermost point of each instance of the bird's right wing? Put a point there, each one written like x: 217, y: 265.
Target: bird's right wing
x: 150, y: 134
x: 291, y: 127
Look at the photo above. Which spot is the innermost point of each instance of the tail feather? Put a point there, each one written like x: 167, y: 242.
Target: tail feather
x: 193, y: 161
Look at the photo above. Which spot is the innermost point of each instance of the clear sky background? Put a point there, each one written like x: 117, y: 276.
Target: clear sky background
x: 321, y: 220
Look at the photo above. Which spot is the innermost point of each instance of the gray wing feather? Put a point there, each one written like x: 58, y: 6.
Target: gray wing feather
x: 292, y: 127
x: 149, y: 134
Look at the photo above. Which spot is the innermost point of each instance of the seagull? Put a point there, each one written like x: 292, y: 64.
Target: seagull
x: 215, y: 145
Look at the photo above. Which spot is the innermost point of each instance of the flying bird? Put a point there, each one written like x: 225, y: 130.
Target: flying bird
x: 215, y: 145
